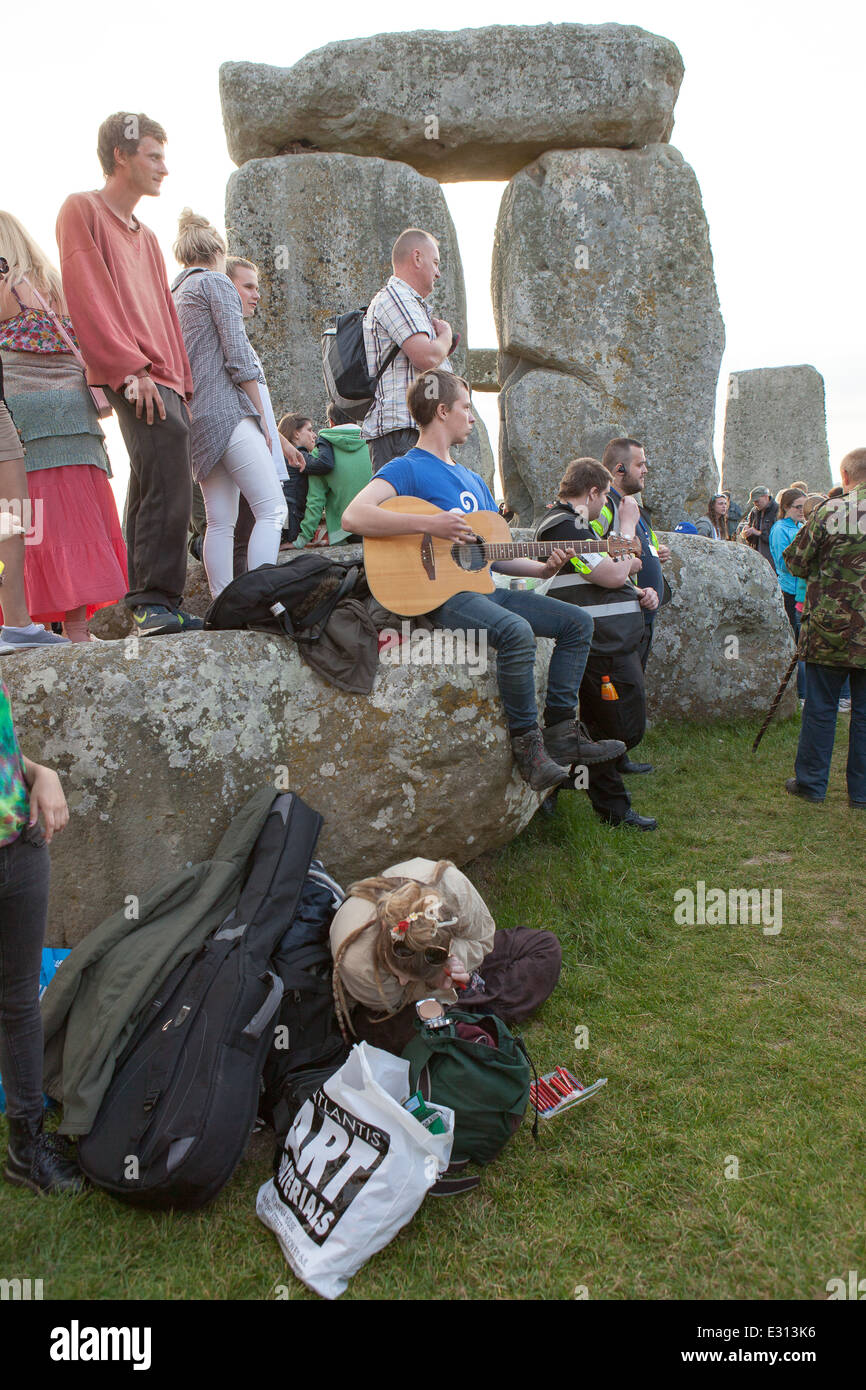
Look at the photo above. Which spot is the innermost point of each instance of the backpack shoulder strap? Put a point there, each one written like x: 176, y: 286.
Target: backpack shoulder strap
x: 278, y: 871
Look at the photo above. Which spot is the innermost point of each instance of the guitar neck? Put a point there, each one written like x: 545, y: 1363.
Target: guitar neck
x: 537, y: 550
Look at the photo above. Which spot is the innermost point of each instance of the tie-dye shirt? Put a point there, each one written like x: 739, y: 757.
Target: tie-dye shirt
x: 14, y: 796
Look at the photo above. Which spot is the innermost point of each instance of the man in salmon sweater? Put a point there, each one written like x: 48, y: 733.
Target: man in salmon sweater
x: 117, y: 290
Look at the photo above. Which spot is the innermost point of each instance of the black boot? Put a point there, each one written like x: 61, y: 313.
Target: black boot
x: 40, y: 1161
x: 632, y: 821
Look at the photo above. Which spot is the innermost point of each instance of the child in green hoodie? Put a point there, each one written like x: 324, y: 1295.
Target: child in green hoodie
x: 332, y: 492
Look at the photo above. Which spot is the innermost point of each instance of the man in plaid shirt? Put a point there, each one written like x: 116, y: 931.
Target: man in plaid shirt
x: 399, y: 314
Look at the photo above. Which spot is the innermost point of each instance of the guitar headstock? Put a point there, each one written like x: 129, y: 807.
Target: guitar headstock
x: 619, y: 546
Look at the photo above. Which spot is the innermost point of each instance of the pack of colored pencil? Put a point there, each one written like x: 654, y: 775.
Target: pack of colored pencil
x: 558, y: 1091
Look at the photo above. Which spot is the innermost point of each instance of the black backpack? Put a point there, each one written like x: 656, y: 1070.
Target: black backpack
x: 181, y: 1105
x: 317, y: 602
x: 307, y: 1044
x: 345, y: 367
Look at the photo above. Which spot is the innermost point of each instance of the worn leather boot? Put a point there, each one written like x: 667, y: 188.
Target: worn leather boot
x: 533, y: 762
x: 569, y: 742
x: 40, y: 1161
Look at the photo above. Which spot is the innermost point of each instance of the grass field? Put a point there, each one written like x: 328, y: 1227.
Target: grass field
x: 727, y: 1049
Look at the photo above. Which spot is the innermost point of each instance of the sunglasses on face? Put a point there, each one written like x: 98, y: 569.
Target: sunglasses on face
x: 4, y: 266
x: 433, y: 955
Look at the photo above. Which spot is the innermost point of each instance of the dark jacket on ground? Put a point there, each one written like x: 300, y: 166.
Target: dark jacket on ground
x: 94, y: 1002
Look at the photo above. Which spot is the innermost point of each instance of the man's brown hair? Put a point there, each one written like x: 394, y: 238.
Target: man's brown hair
x: 581, y: 475
x: 431, y: 389
x: 619, y: 451
x: 855, y: 465
x: 123, y: 131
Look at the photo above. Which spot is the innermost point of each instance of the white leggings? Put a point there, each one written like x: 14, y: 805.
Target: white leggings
x: 246, y: 467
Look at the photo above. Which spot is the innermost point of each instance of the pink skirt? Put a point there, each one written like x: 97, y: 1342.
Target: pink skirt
x: 74, y: 552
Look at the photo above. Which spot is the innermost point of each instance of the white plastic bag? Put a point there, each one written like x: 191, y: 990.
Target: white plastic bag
x: 355, y: 1168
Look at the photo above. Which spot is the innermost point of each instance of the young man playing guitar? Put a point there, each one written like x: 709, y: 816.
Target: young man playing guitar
x: 440, y: 402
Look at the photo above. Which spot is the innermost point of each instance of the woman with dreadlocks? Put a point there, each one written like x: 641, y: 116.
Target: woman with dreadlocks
x: 420, y: 930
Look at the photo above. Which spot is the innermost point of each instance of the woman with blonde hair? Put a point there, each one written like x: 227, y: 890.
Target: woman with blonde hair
x: 420, y: 930
x: 76, y: 560
x: 232, y: 437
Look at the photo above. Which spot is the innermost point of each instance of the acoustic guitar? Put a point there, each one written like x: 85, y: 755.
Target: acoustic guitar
x: 414, y: 574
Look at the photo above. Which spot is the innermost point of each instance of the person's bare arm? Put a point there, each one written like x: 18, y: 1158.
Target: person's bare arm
x: 536, y: 569
x: 426, y: 353
x: 365, y: 517
x: 46, y: 798
x: 612, y: 574
x: 9, y: 306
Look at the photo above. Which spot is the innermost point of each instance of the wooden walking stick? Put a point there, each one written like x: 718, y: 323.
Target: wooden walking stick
x: 775, y: 705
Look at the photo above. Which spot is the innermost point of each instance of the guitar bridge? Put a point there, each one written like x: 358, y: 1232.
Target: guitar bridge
x: 428, y: 559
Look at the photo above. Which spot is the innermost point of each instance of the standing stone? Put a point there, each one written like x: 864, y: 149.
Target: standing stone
x: 608, y: 323
x: 320, y: 227
x: 483, y: 369
x: 775, y: 431
x: 475, y: 104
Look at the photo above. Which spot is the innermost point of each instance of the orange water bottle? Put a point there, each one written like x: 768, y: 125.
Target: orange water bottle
x: 608, y: 690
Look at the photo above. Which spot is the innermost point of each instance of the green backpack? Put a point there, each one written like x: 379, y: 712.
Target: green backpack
x: 486, y: 1087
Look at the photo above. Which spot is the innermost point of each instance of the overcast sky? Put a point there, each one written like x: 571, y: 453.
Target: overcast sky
x: 770, y: 116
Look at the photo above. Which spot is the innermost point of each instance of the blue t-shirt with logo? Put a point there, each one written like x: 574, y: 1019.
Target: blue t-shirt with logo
x: 447, y: 485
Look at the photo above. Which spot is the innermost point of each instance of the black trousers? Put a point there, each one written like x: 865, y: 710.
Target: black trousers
x: 24, y: 879
x: 646, y: 644
x: 623, y: 718
x: 391, y: 446
x: 159, y: 499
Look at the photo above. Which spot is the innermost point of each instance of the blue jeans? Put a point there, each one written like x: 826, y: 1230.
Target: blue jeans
x: 24, y: 880
x: 512, y: 619
x: 818, y: 729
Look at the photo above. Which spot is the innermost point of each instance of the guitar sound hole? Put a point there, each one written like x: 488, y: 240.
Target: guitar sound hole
x: 469, y: 556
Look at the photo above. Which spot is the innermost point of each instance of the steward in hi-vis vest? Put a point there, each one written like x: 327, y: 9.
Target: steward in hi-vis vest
x: 612, y: 696
x: 627, y: 462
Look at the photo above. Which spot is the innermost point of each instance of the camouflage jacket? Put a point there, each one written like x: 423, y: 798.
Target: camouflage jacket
x: 829, y: 552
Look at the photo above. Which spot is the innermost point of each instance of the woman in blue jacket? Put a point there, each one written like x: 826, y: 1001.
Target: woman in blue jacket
x: 782, y: 533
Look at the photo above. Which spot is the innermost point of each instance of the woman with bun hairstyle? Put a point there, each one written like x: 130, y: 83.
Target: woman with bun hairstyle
x: 230, y: 440
x: 420, y: 930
